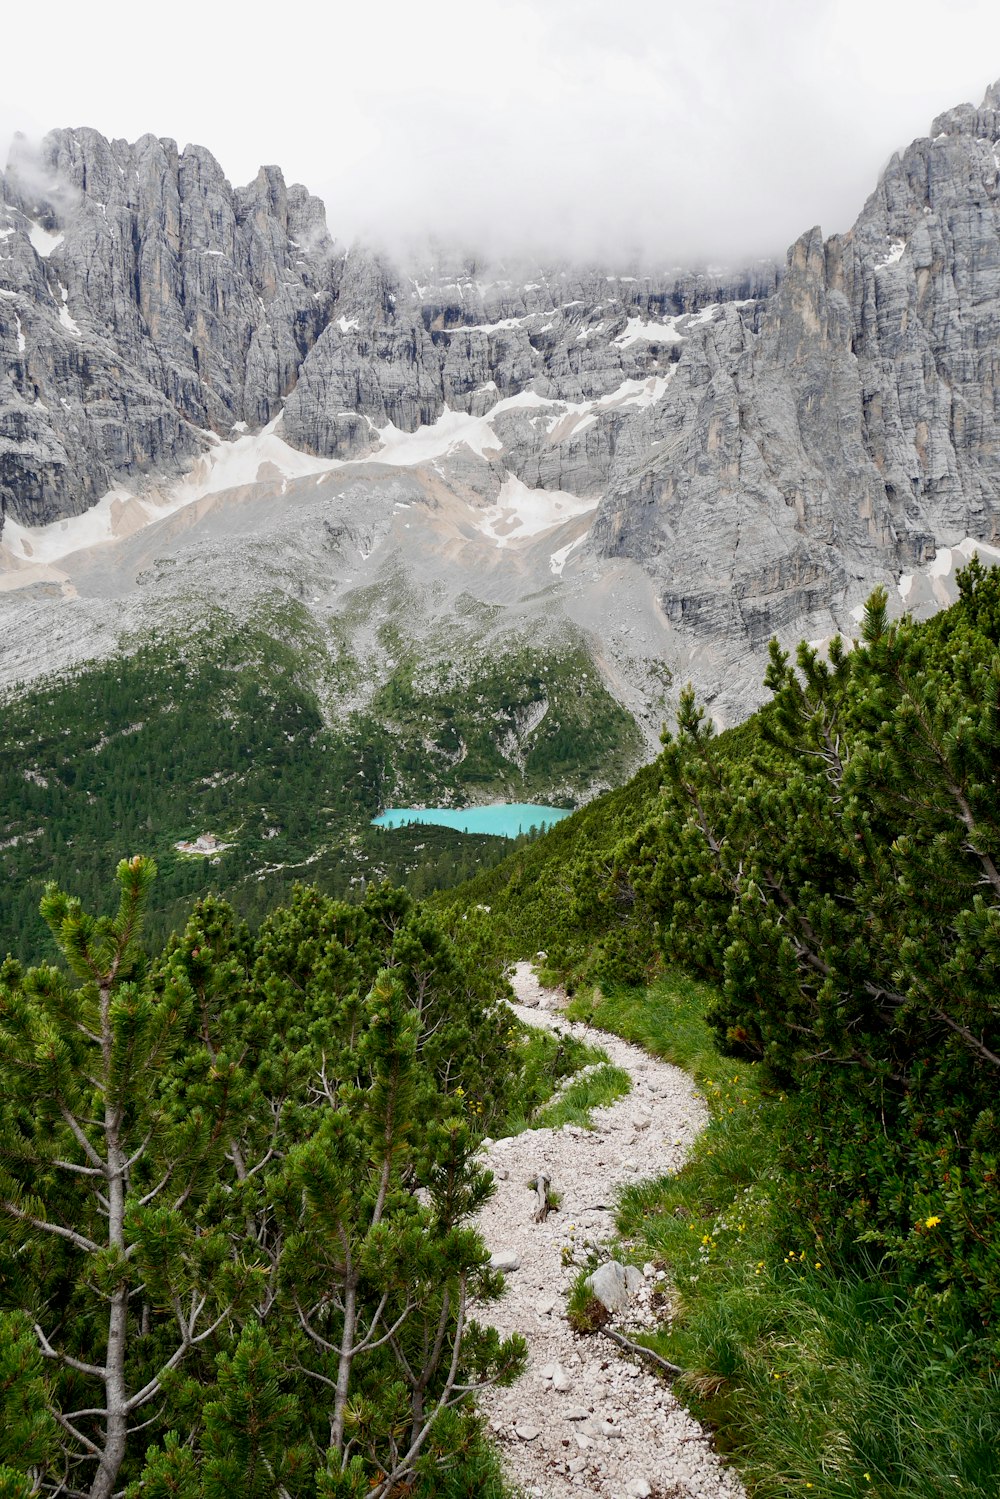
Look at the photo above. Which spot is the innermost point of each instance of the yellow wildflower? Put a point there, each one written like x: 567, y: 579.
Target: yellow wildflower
x: 932, y: 1221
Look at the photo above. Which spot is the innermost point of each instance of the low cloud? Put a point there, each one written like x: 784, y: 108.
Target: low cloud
x: 712, y: 133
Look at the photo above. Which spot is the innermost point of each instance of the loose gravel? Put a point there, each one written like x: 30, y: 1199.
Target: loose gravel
x: 585, y: 1421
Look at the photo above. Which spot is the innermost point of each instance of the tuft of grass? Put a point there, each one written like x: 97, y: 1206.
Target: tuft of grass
x: 584, y: 1313
x: 595, y: 1090
x: 821, y: 1379
x: 546, y: 1060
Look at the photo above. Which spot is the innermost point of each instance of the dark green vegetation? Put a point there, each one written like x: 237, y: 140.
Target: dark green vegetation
x: 831, y: 869
x: 225, y: 732
x: 235, y: 1185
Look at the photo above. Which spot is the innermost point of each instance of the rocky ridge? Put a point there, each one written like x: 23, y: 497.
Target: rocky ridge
x: 835, y: 434
x: 145, y: 303
x: 694, y: 461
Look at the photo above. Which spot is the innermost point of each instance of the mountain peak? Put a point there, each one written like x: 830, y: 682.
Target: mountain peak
x: 966, y: 119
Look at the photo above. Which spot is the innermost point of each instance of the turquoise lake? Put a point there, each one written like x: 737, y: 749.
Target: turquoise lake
x: 504, y: 820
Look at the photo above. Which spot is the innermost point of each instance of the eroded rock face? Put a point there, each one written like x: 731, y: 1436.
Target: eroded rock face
x: 767, y: 447
x: 810, y: 445
x: 142, y: 300
x: 145, y: 302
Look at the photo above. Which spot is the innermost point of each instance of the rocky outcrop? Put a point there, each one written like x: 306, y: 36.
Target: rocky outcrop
x: 402, y: 348
x: 145, y: 302
x: 813, y: 444
x: 142, y: 300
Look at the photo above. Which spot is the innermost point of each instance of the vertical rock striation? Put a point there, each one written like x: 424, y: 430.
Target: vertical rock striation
x: 142, y: 300
x: 811, y: 444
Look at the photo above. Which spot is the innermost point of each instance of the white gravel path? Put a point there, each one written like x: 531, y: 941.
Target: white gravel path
x: 585, y: 1422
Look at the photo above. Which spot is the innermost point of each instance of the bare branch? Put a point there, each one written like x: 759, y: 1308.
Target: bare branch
x: 81, y: 1139
x: 48, y: 1351
x: 674, y: 1370
x: 87, y: 1245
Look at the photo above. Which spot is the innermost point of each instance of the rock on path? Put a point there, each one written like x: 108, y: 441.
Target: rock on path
x: 584, y: 1422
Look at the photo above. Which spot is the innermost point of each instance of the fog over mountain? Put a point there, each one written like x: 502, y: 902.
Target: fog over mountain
x: 710, y: 132
x: 200, y: 383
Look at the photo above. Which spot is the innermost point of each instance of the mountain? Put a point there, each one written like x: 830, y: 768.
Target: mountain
x: 205, y: 398
x: 837, y: 433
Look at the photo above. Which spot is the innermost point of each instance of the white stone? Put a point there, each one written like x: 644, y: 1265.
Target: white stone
x: 610, y: 1285
x: 505, y: 1259
x: 633, y: 1279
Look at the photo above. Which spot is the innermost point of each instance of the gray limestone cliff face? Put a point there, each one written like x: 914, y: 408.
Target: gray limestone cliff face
x: 815, y: 443
x: 766, y: 445
x: 402, y: 348
x: 142, y: 301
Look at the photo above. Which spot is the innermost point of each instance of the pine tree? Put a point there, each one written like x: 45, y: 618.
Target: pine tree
x: 842, y: 886
x: 94, y: 1179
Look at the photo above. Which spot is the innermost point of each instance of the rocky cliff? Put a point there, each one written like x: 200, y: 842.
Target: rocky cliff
x: 142, y: 300
x: 837, y: 433
x: 144, y: 303
x: 763, y: 446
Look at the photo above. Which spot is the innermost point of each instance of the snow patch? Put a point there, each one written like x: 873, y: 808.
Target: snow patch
x: 936, y: 585
x: 43, y: 240
x: 521, y: 512
x: 558, y: 559
x: 347, y: 324
x: 119, y: 513
x: 894, y: 254
x: 507, y: 322
x: 68, y: 322
x: 401, y: 449
x: 639, y: 331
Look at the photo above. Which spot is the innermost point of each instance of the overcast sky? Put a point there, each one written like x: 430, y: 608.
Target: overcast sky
x: 715, y: 129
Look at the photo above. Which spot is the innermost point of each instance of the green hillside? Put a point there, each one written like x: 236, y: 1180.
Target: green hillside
x: 805, y: 913
x: 249, y: 733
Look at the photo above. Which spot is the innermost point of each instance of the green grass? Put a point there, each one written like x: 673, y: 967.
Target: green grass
x: 667, y: 1020
x: 593, y: 1091
x: 551, y: 1058
x: 819, y: 1379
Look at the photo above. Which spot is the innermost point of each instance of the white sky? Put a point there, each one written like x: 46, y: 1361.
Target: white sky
x: 682, y: 128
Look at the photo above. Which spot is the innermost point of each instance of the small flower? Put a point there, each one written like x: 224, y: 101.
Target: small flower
x: 932, y: 1221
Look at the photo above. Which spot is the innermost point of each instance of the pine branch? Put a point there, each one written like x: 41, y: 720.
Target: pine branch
x: 87, y: 1245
